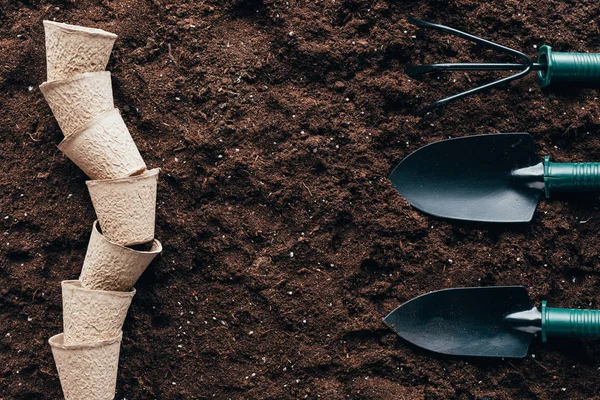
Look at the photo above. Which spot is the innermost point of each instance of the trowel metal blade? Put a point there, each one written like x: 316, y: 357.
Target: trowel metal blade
x: 465, y: 321
x: 488, y: 178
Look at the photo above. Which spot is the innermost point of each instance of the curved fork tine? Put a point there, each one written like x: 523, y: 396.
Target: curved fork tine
x: 473, y: 38
x: 442, y: 102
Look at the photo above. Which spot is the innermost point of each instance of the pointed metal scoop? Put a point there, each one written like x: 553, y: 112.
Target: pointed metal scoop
x: 491, y: 178
x: 496, y: 321
x: 486, y: 322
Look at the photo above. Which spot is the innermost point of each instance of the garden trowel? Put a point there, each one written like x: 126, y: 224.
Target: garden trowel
x: 488, y: 178
x: 495, y: 321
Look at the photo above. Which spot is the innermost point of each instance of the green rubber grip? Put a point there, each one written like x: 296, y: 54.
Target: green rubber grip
x: 569, y: 322
x: 570, y: 177
x: 568, y: 67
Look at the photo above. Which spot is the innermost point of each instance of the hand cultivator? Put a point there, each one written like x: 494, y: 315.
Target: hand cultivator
x: 551, y: 66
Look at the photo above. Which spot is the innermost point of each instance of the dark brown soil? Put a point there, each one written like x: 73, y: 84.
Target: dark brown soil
x: 275, y: 124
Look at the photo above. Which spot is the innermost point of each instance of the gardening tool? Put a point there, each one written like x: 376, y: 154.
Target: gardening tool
x: 551, y: 66
x: 495, y: 321
x: 487, y: 178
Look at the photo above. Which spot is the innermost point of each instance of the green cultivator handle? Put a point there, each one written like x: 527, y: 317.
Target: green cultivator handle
x: 569, y: 322
x: 570, y: 177
x: 567, y: 67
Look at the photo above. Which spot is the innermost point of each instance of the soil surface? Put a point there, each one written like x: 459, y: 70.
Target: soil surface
x: 276, y: 124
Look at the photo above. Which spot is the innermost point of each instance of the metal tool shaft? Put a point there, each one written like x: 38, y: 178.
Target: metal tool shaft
x: 416, y: 70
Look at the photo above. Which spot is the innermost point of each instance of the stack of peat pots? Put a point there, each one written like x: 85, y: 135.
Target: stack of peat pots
x: 123, y: 193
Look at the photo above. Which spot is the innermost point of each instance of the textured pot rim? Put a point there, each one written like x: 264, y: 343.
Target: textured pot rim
x: 77, y: 77
x: 81, y: 29
x: 149, y: 173
x: 57, y: 341
x: 83, y: 127
x: 83, y: 75
x: 77, y: 284
x: 156, y: 245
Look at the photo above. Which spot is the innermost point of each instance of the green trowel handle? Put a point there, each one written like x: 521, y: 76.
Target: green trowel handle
x: 568, y: 67
x: 569, y: 322
x: 570, y: 177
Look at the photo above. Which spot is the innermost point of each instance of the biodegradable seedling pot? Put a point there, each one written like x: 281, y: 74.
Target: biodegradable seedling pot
x: 88, y: 370
x: 110, y: 266
x: 92, y: 315
x: 72, y: 49
x: 79, y: 99
x: 103, y: 148
x: 126, y: 207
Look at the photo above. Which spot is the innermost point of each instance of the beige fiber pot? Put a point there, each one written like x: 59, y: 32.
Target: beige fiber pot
x: 110, y: 266
x: 92, y: 315
x: 126, y: 208
x: 87, y: 371
x: 72, y: 49
x: 103, y: 148
x: 79, y: 99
